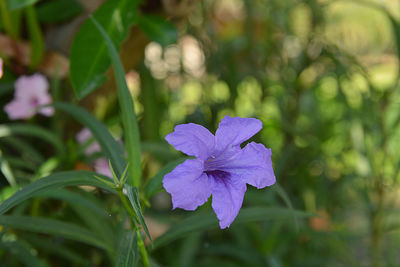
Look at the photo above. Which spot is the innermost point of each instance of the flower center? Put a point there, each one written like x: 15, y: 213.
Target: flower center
x: 218, y: 174
x: 34, y: 101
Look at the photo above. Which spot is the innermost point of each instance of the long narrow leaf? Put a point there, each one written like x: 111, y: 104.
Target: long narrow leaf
x: 208, y: 221
x: 133, y: 196
x: 52, y: 182
x: 32, y: 130
x: 109, y: 146
x: 127, y: 251
x: 53, y: 227
x: 129, y: 120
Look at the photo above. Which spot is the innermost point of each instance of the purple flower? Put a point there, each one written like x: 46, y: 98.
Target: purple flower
x: 101, y: 166
x: 30, y: 93
x: 84, y: 136
x: 221, y: 167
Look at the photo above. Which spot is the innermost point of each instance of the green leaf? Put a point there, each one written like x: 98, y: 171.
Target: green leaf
x: 22, y: 252
x: 53, y: 227
x: 56, y: 11
x: 158, y: 29
x: 206, y: 221
x: 282, y: 193
x: 32, y: 130
x: 127, y: 251
x: 89, y: 57
x: 55, y: 248
x: 51, y: 182
x: 155, y: 183
x: 17, y: 4
x: 133, y: 196
x: 36, y: 41
x: 6, y: 170
x: 109, y: 146
x: 82, y: 198
x: 129, y: 120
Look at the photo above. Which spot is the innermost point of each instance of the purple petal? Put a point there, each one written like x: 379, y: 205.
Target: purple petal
x: 102, y: 166
x: 18, y: 109
x: 192, y: 139
x: 227, y: 198
x: 253, y: 165
x: 29, y: 86
x: 188, y: 185
x: 234, y: 131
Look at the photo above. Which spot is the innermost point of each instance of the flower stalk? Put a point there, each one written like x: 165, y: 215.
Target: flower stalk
x: 134, y: 225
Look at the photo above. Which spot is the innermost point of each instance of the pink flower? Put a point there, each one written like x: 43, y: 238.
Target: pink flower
x: 84, y: 136
x: 30, y: 93
x: 101, y: 166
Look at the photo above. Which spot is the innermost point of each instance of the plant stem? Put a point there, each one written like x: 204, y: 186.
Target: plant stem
x: 142, y: 249
x: 377, y: 225
x: 140, y: 243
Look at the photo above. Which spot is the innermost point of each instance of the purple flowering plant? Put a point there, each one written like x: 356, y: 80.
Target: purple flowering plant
x: 221, y: 168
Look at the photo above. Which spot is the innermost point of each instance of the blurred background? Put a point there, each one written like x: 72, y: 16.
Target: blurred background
x: 322, y: 76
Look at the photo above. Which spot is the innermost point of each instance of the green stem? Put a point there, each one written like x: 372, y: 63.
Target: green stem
x: 6, y: 19
x: 377, y: 226
x: 128, y: 208
x: 142, y: 249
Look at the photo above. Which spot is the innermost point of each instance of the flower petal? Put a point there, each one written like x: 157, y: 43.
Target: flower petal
x: 253, y: 164
x: 227, y: 198
x: 28, y: 86
x: 234, y: 131
x: 192, y: 139
x: 17, y: 109
x: 188, y: 185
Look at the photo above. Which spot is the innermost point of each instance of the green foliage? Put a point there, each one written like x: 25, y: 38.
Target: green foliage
x: 115, y: 17
x: 322, y: 76
x: 158, y: 29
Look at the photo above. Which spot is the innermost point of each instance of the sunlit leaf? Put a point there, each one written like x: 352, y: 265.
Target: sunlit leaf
x: 89, y: 55
x: 158, y: 29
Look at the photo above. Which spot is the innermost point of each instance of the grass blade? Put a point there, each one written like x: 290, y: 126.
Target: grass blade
x: 53, y: 227
x: 51, y: 182
x: 127, y: 251
x: 129, y: 119
x: 208, y: 221
x: 133, y: 196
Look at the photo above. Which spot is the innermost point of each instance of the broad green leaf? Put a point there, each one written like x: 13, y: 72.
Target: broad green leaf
x: 36, y: 41
x: 22, y: 252
x: 89, y: 56
x: 54, y: 181
x: 155, y: 183
x: 53, y: 227
x: 132, y: 139
x: 158, y: 29
x: 109, y: 146
x: 32, y: 130
x: 127, y: 253
x: 206, y: 221
x: 17, y: 4
x: 56, y: 11
x: 133, y: 196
